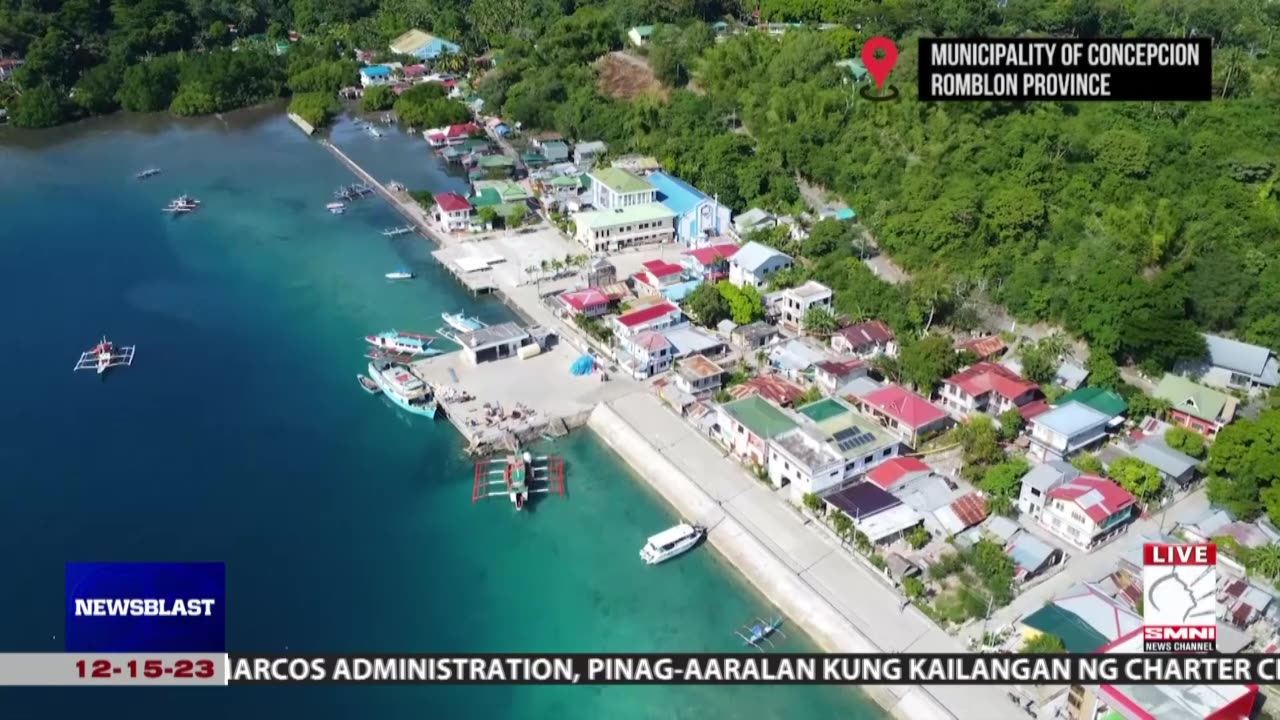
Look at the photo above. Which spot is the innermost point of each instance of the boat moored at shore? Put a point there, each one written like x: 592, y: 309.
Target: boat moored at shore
x: 404, y: 343
x: 671, y: 542
x: 403, y: 387
x: 517, y: 476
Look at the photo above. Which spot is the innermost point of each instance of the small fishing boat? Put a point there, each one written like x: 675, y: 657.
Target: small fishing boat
x: 336, y: 208
x: 369, y: 386
x: 758, y: 634
x: 671, y: 542
x: 462, y: 323
x: 149, y: 172
x: 182, y: 205
x: 399, y: 275
x: 517, y: 476
x: 104, y: 356
x: 395, y: 231
x: 404, y: 388
x: 375, y: 132
x: 394, y: 341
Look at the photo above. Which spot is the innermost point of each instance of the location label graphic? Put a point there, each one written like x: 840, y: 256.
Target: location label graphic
x: 879, y: 55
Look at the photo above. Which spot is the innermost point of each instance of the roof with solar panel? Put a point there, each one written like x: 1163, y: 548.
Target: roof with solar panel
x: 848, y: 432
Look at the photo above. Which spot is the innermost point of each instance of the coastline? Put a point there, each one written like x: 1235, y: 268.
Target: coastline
x: 754, y: 561
x: 748, y: 552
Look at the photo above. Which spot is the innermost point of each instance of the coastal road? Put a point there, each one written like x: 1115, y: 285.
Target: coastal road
x: 857, y: 593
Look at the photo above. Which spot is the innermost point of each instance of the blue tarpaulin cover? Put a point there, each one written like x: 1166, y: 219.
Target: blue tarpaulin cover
x: 583, y: 365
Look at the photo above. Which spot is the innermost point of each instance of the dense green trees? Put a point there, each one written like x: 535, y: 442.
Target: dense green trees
x: 1244, y: 467
x: 427, y: 106
x: 377, y: 99
x: 316, y: 108
x: 707, y: 305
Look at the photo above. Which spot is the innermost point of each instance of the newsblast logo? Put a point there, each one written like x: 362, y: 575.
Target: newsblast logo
x: 1179, y: 603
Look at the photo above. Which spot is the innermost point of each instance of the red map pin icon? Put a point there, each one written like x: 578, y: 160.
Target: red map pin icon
x: 879, y: 67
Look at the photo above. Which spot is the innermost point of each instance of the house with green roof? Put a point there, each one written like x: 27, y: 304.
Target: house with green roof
x: 1077, y: 636
x: 1195, y: 406
x: 747, y: 425
x: 1107, y: 402
x: 508, y: 190
x: 611, y: 230
x: 640, y: 35
x: 831, y: 445
x: 485, y: 197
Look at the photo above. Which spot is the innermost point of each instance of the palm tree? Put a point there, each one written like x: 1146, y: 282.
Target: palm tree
x: 1265, y: 561
x: 532, y: 271
x: 1044, y: 643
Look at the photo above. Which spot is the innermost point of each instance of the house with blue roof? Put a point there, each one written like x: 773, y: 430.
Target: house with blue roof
x: 697, y: 215
x: 375, y: 75
x: 423, y: 45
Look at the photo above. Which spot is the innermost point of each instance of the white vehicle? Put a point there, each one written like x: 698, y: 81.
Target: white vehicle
x: 671, y: 542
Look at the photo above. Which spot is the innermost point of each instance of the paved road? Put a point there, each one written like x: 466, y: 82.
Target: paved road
x: 858, y: 593
x: 1090, y: 567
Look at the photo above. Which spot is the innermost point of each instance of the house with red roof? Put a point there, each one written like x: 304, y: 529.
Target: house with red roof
x: 589, y: 302
x: 831, y: 374
x: 985, y: 347
x: 865, y: 340
x: 710, y: 263
x: 1087, y: 511
x: 899, y: 470
x: 903, y: 412
x: 452, y: 211
x: 8, y: 66
x: 1172, y: 701
x: 987, y: 387
x: 656, y: 276
x: 652, y: 317
x: 452, y: 135
x: 773, y: 388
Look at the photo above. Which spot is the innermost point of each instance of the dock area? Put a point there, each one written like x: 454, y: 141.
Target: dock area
x: 525, y: 398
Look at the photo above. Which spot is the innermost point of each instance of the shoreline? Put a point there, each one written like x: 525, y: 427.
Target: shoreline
x: 754, y: 562
x: 832, y: 629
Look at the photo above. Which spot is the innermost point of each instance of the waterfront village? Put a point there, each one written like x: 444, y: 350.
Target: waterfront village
x: 996, y: 513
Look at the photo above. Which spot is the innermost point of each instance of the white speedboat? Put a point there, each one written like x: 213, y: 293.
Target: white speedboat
x: 399, y: 275
x: 336, y: 208
x: 182, y: 205
x: 671, y: 542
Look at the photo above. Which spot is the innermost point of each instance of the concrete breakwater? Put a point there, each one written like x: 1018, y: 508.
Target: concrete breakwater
x: 755, y: 561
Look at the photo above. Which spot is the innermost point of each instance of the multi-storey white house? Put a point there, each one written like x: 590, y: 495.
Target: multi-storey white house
x: 1065, y: 430
x: 613, y: 188
x: 987, y: 387
x: 610, y: 230
x: 1087, y: 511
x: 794, y: 303
x: 754, y: 264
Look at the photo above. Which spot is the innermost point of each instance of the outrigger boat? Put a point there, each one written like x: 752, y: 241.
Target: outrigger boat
x: 149, y: 172
x: 352, y: 192
x: 403, y: 343
x: 182, y: 205
x: 337, y: 208
x: 369, y: 386
x: 393, y: 232
x: 408, y: 391
x: 462, y: 323
x: 761, y: 632
x: 105, y: 355
x: 517, y: 476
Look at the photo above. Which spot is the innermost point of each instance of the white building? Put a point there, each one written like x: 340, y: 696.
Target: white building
x: 1039, y: 481
x: 865, y: 340
x: 1087, y: 511
x: 654, y: 317
x: 375, y: 76
x: 830, y: 446
x: 754, y: 264
x: 493, y: 342
x: 611, y: 230
x: 794, y: 303
x: 452, y: 211
x: 613, y: 188
x: 1065, y: 430
x: 698, y: 376
x: 645, y: 354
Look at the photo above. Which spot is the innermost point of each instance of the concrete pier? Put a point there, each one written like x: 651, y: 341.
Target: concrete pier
x: 755, y: 561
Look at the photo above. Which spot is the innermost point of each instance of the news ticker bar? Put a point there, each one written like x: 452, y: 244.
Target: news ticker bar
x: 70, y: 669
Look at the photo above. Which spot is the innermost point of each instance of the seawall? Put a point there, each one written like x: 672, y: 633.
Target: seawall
x: 755, y: 561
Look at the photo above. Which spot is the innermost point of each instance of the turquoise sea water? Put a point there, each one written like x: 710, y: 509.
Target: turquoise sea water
x: 240, y: 435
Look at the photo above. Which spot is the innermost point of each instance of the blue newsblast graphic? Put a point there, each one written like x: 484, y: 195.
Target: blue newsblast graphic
x: 146, y: 607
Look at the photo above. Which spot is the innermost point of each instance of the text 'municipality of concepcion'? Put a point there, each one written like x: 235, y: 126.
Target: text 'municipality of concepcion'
x: 1065, y: 69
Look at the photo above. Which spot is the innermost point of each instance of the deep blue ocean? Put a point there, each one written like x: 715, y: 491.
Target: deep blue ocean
x: 240, y: 435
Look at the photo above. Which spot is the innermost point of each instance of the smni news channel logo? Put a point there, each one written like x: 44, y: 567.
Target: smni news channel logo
x: 1179, y: 603
x: 146, y: 607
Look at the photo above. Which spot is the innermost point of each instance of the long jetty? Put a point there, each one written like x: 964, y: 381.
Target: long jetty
x: 401, y: 201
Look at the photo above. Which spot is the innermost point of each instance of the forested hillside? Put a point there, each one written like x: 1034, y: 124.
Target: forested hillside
x: 1133, y: 225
